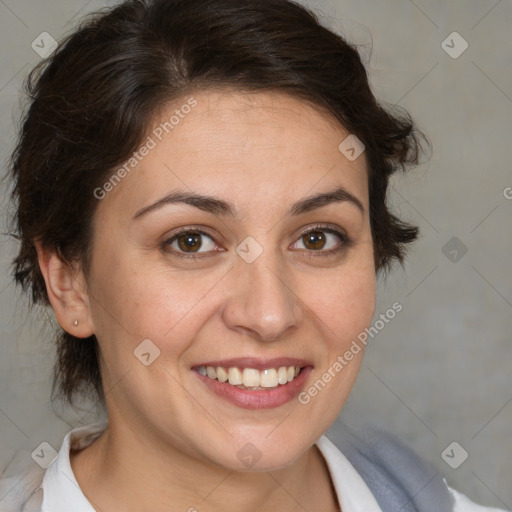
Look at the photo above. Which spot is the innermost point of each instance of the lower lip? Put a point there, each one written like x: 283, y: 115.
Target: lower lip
x: 262, y: 399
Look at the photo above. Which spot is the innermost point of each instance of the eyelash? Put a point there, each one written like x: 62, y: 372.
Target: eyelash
x: 346, y: 242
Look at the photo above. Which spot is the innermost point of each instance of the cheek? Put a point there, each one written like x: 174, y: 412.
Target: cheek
x: 345, y: 302
x: 133, y: 302
x: 354, y: 306
x: 344, y: 310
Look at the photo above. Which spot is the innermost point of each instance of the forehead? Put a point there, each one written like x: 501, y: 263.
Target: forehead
x: 246, y: 122
x: 243, y: 147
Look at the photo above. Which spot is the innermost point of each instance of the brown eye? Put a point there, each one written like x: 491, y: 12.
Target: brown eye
x: 314, y: 240
x: 324, y: 240
x: 190, y: 242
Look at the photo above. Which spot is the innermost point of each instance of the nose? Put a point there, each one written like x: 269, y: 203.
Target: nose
x: 262, y: 301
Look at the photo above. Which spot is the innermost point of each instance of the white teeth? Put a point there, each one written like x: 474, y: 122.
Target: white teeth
x: 250, y: 377
x: 222, y: 375
x: 282, y: 375
x: 235, y: 376
x: 269, y: 378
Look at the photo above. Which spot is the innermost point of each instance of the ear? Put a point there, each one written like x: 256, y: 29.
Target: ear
x: 67, y: 293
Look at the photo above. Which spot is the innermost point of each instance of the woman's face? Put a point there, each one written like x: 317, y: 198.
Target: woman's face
x: 245, y: 288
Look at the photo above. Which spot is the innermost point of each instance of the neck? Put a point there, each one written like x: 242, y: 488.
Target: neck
x: 122, y: 470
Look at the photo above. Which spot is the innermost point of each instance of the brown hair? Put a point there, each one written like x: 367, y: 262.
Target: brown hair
x: 91, y: 103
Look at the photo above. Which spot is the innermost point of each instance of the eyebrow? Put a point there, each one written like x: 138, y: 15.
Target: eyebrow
x: 217, y: 206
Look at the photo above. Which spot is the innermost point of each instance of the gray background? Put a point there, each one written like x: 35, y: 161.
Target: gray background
x: 441, y: 370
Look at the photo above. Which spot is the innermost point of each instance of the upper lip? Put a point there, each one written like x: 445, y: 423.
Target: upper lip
x: 256, y: 363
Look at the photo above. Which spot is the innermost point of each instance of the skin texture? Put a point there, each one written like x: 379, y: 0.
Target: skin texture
x: 172, y: 443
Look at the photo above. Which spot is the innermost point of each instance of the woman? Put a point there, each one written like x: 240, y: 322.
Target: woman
x: 201, y: 194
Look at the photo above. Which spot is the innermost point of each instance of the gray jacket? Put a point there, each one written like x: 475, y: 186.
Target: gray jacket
x: 399, y: 479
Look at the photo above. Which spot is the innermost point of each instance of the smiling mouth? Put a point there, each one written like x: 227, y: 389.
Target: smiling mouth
x: 251, y: 379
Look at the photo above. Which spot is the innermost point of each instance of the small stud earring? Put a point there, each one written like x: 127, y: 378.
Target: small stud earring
x: 76, y: 322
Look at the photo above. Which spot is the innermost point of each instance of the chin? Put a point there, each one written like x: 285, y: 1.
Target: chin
x: 261, y: 453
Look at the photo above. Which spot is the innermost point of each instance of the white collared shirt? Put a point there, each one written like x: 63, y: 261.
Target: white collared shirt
x: 60, y: 492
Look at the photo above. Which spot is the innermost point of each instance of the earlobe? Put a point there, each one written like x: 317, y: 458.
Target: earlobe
x: 66, y: 293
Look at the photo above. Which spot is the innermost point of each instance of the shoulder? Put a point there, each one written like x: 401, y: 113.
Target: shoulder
x: 28, y: 490
x: 21, y: 493
x: 395, y: 473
